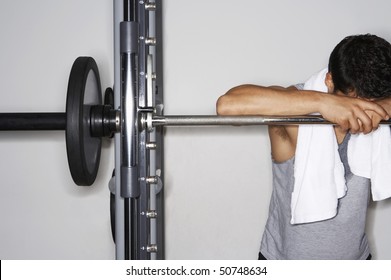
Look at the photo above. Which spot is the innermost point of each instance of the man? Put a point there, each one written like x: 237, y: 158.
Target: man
x: 359, y: 86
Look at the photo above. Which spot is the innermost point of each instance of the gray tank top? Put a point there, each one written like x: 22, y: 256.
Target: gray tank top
x: 342, y: 237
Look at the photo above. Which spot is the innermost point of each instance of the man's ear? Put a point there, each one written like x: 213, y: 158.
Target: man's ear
x: 329, y: 82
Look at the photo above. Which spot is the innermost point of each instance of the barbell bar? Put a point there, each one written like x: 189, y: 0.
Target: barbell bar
x: 56, y: 121
x: 149, y: 121
x: 32, y: 121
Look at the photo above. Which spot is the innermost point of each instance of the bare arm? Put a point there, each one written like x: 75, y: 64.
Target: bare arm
x: 259, y: 100
x: 349, y: 113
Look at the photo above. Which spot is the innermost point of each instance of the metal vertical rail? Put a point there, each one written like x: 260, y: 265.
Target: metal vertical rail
x: 136, y: 161
x: 119, y: 200
x: 130, y: 188
x: 143, y: 155
x: 151, y: 102
x: 148, y: 150
x: 159, y: 130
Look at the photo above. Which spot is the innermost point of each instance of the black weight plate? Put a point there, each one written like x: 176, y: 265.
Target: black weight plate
x: 83, y: 150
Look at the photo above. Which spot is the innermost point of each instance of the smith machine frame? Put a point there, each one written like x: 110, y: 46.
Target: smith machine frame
x: 139, y: 193
x: 133, y: 112
x: 139, y: 232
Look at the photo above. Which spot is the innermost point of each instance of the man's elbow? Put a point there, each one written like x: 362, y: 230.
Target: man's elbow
x: 220, y: 105
x: 223, y: 107
x: 228, y: 104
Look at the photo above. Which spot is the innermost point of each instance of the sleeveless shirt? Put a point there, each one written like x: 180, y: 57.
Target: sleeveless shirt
x: 342, y: 237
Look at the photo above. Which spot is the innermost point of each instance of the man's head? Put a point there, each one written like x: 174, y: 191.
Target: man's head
x: 360, y: 66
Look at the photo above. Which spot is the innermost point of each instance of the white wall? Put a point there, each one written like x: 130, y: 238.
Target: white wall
x: 217, y: 179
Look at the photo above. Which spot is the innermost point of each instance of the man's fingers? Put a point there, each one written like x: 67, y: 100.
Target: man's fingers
x: 354, y: 126
x: 377, y: 109
x: 364, y: 122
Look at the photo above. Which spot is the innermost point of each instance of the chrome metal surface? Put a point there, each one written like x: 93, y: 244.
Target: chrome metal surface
x: 205, y: 120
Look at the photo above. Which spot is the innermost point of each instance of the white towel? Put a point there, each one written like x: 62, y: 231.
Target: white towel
x: 369, y: 156
x: 319, y: 172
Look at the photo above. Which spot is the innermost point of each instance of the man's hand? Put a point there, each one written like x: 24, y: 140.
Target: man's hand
x: 351, y: 113
x: 385, y: 103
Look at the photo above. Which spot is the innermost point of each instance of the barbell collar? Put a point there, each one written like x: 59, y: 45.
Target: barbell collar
x: 104, y: 121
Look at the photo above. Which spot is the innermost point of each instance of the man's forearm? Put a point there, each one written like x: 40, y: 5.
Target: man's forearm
x: 350, y: 113
x: 259, y: 100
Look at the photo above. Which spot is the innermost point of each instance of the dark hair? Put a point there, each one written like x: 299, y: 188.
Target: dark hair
x: 362, y: 63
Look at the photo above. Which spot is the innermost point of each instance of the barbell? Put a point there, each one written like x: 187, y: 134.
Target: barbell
x: 85, y: 121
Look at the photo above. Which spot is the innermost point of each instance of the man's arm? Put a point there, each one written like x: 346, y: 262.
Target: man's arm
x: 259, y: 100
x: 349, y: 113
